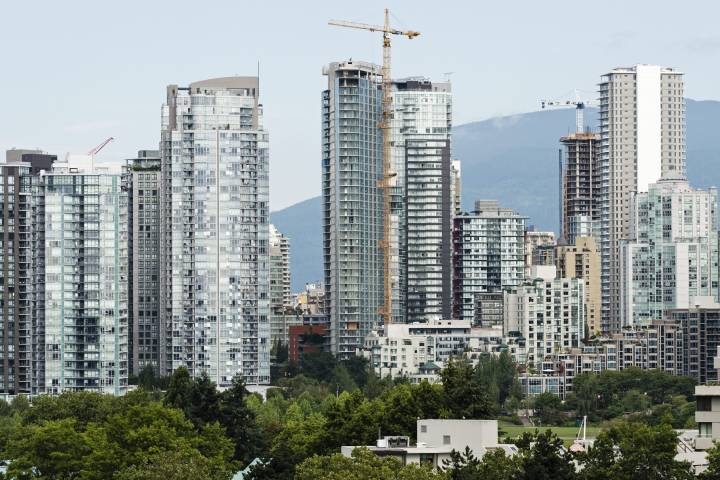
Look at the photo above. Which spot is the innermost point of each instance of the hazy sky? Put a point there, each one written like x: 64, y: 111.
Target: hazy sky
x: 76, y: 72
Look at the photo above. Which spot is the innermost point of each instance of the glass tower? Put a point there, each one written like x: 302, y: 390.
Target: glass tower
x: 80, y: 280
x: 423, y: 200
x: 352, y: 202
x: 488, y: 255
x: 672, y: 260
x: 214, y: 285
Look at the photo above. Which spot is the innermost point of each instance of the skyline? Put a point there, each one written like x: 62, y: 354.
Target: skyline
x: 109, y: 70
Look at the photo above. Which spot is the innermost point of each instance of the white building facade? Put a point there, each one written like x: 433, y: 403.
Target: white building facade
x: 214, y: 279
x: 642, y: 138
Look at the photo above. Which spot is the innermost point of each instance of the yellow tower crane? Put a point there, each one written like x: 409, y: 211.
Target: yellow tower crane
x: 384, y: 183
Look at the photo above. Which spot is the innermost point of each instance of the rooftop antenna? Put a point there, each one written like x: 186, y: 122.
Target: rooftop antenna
x: 448, y: 75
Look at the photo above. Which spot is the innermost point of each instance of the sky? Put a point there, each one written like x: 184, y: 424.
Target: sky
x: 77, y: 72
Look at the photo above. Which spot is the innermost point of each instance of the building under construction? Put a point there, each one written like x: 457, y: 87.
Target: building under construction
x: 580, y: 186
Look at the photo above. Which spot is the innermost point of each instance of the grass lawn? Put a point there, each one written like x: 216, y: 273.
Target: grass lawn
x: 566, y: 434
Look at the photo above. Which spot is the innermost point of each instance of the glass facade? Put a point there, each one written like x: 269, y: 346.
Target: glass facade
x: 352, y: 203
x: 214, y: 232
x: 488, y: 255
x: 672, y: 261
x: 81, y: 281
x: 423, y: 200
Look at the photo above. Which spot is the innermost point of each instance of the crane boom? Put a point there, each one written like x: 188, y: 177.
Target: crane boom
x: 386, y: 181
x: 373, y: 28
x: 579, y: 108
x: 97, y: 149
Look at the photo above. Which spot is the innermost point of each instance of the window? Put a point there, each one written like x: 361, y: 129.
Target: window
x: 423, y: 428
x: 446, y: 439
x: 703, y: 404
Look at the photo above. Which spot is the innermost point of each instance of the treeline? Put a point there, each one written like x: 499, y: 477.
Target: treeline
x: 182, y: 427
x: 97, y: 437
x: 625, y: 451
x: 650, y: 396
x: 310, y: 417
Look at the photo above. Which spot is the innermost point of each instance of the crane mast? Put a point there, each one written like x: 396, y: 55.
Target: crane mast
x: 387, y: 174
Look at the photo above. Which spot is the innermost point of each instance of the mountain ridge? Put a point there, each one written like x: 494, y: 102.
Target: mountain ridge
x: 512, y: 159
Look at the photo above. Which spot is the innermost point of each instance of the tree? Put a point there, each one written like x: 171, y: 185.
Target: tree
x: 462, y: 465
x: 184, y: 464
x: 351, y: 420
x: 359, y: 369
x: 631, y: 450
x: 179, y: 387
x: 149, y: 381
x: 713, y: 469
x: 82, y: 407
x: 494, y: 465
x: 465, y: 396
x: 317, y: 365
x: 362, y: 465
x: 239, y: 421
x: 52, y: 450
x: 548, y: 408
x: 542, y: 457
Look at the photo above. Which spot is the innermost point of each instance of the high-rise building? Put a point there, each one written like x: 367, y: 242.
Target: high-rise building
x: 488, y: 255
x: 214, y: 286
x: 581, y: 190
x: 582, y: 260
x: 642, y: 138
x: 423, y: 199
x: 280, y: 297
x: 19, y: 356
x: 671, y: 259
x: 352, y: 202
x: 141, y: 181
x: 80, y: 280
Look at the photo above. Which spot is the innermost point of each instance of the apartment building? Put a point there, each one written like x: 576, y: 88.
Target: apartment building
x: 214, y: 281
x: 352, y: 202
x: 642, y: 138
x: 582, y: 260
x: 141, y: 182
x: 671, y: 258
x: 488, y: 255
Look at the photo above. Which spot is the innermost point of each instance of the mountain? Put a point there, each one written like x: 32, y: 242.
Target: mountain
x: 512, y: 159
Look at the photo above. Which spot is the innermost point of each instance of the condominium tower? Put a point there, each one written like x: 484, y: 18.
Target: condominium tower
x: 141, y: 181
x: 488, y: 255
x: 19, y: 356
x: 671, y: 261
x: 642, y: 137
x: 279, y: 271
x: 80, y: 280
x: 214, y: 286
x: 352, y: 202
x: 424, y: 199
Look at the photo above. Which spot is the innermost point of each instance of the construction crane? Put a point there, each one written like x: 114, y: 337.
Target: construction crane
x: 96, y: 150
x: 577, y: 103
x: 386, y: 182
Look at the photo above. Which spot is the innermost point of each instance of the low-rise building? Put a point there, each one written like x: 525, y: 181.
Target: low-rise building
x: 404, y: 349
x: 707, y: 415
x: 436, y: 440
